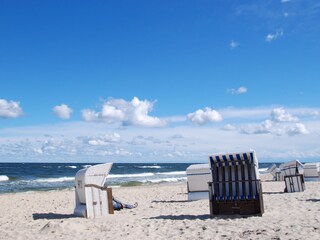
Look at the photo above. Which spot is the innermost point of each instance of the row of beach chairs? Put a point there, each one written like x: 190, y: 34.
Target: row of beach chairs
x: 231, y: 182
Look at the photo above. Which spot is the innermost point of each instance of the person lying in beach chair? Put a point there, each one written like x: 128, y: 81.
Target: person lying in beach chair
x: 118, y: 205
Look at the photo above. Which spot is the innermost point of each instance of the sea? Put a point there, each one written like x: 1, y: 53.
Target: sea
x: 22, y: 177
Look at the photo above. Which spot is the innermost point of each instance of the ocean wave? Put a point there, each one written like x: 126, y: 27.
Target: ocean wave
x: 173, y: 173
x: 262, y: 169
x: 149, y: 166
x: 130, y: 175
x: 159, y: 180
x: 51, y: 180
x: 86, y: 166
x: 71, y: 166
x: 3, y: 178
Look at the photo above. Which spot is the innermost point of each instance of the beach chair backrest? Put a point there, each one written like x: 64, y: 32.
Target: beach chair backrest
x: 311, y: 170
x: 95, y: 176
x: 290, y: 168
x: 235, y: 176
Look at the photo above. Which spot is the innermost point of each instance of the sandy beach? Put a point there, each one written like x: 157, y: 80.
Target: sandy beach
x: 163, y: 213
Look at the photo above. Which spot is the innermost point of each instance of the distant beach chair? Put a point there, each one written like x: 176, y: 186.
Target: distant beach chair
x: 271, y: 170
x: 93, y: 199
x: 236, y: 186
x: 198, y: 176
x: 312, y: 170
x: 292, y: 172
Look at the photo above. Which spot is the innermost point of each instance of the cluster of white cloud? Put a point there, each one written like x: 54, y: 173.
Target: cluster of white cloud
x: 280, y: 123
x: 103, y: 140
x: 10, y: 109
x: 234, y: 44
x: 62, y: 111
x: 165, y: 144
x: 135, y: 113
x: 240, y: 90
x: 272, y: 135
x: 273, y: 36
x: 280, y: 115
x: 201, y: 117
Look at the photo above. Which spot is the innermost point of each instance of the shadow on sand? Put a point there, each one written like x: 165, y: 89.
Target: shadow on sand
x: 313, y: 200
x: 200, y: 217
x: 170, y: 201
x: 37, y: 216
x: 273, y: 192
x: 182, y: 217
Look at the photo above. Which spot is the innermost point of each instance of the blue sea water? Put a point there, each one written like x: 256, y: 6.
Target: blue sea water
x: 20, y: 177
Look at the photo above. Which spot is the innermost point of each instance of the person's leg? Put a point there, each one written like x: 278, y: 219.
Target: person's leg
x: 129, y: 206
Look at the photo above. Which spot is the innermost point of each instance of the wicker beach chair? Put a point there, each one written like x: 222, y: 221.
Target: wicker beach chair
x: 312, y: 170
x: 271, y: 170
x: 198, y: 176
x: 293, y: 176
x: 235, y: 186
x: 93, y: 199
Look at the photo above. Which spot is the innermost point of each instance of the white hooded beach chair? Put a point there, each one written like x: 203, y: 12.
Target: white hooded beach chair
x: 271, y: 170
x: 292, y: 172
x: 93, y: 199
x: 312, y: 170
x: 198, y: 176
x: 235, y: 186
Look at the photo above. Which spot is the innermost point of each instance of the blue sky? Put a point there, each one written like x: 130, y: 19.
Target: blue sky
x: 159, y: 81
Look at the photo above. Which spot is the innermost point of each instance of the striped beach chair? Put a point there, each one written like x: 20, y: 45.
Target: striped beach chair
x: 292, y: 172
x: 235, y: 186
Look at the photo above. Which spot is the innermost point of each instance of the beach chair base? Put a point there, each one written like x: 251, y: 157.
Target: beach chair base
x: 295, y: 183
x: 231, y: 207
x: 241, y: 207
x: 99, y: 202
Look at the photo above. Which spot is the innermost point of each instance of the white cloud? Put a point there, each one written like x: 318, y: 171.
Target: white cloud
x: 133, y: 113
x: 62, y: 111
x: 298, y: 129
x: 280, y: 115
x: 285, y: 1
x: 229, y: 127
x: 273, y: 36
x: 10, y: 109
x: 103, y: 140
x: 239, y: 90
x: 201, y: 117
x: 281, y: 123
x: 96, y: 142
x: 234, y: 44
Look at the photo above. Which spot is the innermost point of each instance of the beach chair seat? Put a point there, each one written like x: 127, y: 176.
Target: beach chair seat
x: 93, y: 199
x: 295, y: 183
x: 292, y: 172
x: 198, y: 176
x: 235, y: 186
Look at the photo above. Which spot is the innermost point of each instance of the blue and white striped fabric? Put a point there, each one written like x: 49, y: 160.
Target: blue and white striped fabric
x: 235, y: 176
x: 234, y: 159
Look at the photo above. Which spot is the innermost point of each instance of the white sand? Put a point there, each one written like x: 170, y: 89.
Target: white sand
x: 163, y: 213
